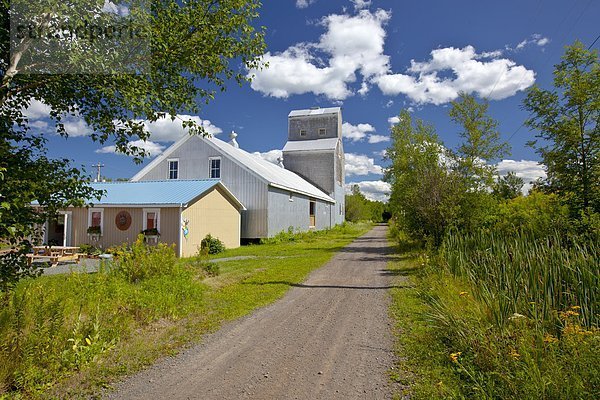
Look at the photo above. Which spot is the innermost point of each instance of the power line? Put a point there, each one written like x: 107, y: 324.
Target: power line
x: 594, y: 42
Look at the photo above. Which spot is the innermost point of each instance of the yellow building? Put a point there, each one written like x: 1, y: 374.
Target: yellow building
x: 178, y: 212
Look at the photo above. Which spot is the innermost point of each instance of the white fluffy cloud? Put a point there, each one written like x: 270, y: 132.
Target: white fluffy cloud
x: 360, y: 4
x: 481, y: 73
x: 373, y: 190
x: 393, y: 120
x: 270, y: 156
x: 350, y: 45
x: 170, y: 130
x: 353, y: 45
x: 528, y: 170
x: 378, y: 138
x: 153, y: 149
x: 356, y: 133
x: 359, y: 164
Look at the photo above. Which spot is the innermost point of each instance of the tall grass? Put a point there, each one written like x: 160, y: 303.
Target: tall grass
x: 538, y: 278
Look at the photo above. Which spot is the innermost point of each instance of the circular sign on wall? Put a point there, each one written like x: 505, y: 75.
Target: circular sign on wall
x: 123, y: 220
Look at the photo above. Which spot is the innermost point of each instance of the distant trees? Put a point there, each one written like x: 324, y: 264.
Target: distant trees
x: 359, y: 208
x: 567, y: 124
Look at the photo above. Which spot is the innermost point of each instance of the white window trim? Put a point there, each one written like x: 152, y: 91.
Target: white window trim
x: 169, y: 160
x: 145, y: 216
x: 210, y: 159
x: 101, y: 210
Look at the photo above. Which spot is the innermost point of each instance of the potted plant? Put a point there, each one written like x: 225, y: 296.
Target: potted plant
x: 151, y: 233
x: 94, y: 232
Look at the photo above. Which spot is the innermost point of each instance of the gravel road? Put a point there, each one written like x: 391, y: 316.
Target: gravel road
x: 328, y: 338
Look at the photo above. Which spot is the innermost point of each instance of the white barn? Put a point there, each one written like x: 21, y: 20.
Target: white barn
x: 304, y: 192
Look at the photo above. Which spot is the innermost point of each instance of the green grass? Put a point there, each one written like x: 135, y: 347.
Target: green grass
x: 69, y: 336
x: 423, y: 370
x: 499, y: 320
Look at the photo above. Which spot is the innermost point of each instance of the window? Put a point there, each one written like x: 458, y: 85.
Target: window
x: 95, y: 217
x: 214, y: 167
x: 151, y: 218
x: 311, y: 214
x: 173, y: 168
x: 302, y: 132
x: 322, y: 131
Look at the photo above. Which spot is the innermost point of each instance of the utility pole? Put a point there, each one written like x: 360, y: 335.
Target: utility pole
x: 98, y: 166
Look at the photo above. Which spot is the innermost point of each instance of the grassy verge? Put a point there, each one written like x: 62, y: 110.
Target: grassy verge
x: 488, y: 321
x: 68, y: 336
x: 423, y: 370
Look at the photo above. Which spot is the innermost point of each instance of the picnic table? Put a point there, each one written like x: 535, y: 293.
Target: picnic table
x: 55, y: 254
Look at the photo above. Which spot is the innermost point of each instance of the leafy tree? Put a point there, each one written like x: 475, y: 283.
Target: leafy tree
x: 356, y: 206
x: 187, y: 52
x: 425, y: 191
x: 508, y: 186
x: 480, y: 141
x: 568, y: 132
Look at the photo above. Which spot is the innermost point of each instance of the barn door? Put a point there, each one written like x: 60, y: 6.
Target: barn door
x: 311, y: 213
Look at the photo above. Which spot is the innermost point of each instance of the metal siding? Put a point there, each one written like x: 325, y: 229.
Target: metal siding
x: 249, y: 190
x: 285, y: 213
x: 317, y: 168
x: 311, y: 125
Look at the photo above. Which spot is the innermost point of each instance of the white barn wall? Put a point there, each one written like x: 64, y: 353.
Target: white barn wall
x: 285, y: 213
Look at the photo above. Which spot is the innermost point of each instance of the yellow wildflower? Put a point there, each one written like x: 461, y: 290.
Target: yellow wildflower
x: 463, y: 294
x: 575, y: 308
x: 514, y: 354
x: 550, y: 339
x: 454, y: 356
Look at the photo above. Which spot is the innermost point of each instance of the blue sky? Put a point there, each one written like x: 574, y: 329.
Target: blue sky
x: 374, y: 58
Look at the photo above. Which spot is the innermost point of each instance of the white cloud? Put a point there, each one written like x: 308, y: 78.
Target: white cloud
x: 378, y: 139
x: 153, y: 149
x: 389, y: 103
x: 270, y: 156
x: 380, y: 153
x: 37, y: 110
x: 360, y: 4
x: 356, y: 133
x: 472, y: 73
x: 168, y: 130
x: 535, y: 39
x: 393, y: 120
x: 373, y: 190
x: 76, y: 126
x: 359, y: 164
x: 528, y: 170
x: 304, y: 3
x: 350, y: 45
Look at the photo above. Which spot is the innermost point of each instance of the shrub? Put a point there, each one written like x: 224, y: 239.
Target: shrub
x: 142, y: 261
x: 211, y: 245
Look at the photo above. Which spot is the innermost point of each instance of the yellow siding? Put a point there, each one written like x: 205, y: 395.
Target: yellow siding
x: 213, y: 213
x: 112, y: 236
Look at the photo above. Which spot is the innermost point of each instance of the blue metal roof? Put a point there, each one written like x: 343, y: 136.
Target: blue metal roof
x: 172, y: 192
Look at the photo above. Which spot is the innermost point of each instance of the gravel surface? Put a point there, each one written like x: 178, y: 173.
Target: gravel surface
x: 328, y: 338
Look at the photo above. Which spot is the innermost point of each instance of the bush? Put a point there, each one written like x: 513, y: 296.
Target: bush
x: 211, y: 245
x: 141, y: 261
